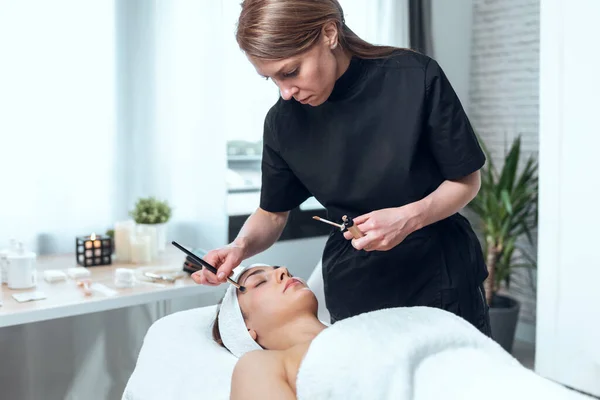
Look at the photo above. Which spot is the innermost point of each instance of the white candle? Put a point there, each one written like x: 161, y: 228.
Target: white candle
x: 141, y: 251
x: 3, y: 266
x: 150, y: 230
x: 123, y: 234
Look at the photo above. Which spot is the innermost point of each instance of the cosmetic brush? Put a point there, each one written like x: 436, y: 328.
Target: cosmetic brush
x: 340, y: 226
x: 347, y: 225
x: 207, y: 265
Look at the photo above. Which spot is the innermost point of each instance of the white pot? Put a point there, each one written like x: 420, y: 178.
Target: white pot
x: 158, y: 237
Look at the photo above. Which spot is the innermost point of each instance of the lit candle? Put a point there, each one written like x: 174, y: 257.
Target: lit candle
x: 97, y: 243
x: 93, y: 250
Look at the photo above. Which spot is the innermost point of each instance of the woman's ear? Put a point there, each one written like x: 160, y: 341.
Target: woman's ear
x: 330, y: 34
x: 253, y: 334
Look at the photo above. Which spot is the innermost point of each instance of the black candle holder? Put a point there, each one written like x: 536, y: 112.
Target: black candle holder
x: 93, y: 250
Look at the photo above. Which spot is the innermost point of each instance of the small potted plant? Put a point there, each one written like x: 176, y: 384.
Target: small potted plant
x: 151, y: 216
x: 111, y: 234
x: 507, y: 208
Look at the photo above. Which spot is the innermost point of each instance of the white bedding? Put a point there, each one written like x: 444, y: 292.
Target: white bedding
x: 415, y: 353
x: 179, y: 360
x: 399, y: 354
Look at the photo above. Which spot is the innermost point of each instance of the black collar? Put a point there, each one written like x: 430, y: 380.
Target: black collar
x: 345, y: 83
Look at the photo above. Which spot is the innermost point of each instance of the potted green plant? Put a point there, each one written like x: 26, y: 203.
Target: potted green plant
x: 151, y: 216
x: 111, y: 234
x: 507, y: 208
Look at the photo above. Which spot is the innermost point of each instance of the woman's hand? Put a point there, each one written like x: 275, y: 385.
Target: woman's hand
x: 385, y: 229
x: 259, y: 233
x: 224, y: 260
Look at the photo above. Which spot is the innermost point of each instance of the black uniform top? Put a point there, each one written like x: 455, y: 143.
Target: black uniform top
x: 390, y: 133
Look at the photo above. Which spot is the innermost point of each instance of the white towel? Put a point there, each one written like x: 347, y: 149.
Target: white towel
x: 232, y: 326
x: 415, y: 353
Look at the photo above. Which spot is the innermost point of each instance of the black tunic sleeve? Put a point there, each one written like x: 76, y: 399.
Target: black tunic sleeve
x: 451, y: 138
x: 281, y: 189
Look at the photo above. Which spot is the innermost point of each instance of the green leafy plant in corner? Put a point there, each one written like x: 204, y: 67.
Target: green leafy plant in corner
x: 507, y: 207
x: 151, y: 211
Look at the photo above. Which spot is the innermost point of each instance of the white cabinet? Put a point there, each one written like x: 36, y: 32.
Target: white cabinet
x: 568, y: 322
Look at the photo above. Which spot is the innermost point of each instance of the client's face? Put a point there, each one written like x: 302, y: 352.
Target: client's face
x: 273, y: 298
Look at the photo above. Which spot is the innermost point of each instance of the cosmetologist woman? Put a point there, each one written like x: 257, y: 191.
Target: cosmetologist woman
x: 373, y: 132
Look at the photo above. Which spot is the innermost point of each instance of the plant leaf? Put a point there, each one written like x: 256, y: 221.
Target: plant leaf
x: 511, y: 163
x: 506, y: 201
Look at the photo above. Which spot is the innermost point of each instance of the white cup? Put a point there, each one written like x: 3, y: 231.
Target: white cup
x: 21, y: 270
x: 124, y: 278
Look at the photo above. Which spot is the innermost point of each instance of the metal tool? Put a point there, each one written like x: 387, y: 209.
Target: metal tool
x: 160, y: 277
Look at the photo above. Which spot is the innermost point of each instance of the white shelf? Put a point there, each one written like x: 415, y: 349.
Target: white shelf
x: 247, y: 203
x: 244, y: 158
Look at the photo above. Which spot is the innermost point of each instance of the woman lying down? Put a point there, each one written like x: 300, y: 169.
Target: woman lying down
x: 285, y: 352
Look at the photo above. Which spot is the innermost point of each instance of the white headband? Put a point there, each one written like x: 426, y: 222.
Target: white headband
x: 233, y: 330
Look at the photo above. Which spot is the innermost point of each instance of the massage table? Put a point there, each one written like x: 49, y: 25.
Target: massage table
x: 425, y: 354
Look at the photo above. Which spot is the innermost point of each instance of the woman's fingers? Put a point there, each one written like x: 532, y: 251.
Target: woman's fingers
x: 205, y: 277
x: 197, y: 277
x: 226, y: 270
x: 364, y: 243
x: 224, y: 260
x: 361, y: 224
x: 361, y: 219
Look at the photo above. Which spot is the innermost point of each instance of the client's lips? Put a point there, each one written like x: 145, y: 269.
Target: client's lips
x: 291, y: 282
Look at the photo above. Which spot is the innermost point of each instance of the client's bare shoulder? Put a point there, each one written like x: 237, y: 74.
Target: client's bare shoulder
x: 292, y: 359
x: 261, y: 374
x: 269, y: 373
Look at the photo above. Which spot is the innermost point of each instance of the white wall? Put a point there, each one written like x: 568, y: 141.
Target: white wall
x: 162, y: 78
x: 504, y: 102
x: 504, y: 73
x: 490, y: 52
x: 568, y: 312
x: 452, y: 23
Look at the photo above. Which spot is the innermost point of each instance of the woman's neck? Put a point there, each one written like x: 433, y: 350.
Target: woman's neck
x: 302, y: 329
x: 343, y: 61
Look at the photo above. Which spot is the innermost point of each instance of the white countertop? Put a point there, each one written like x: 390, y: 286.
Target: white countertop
x: 66, y: 299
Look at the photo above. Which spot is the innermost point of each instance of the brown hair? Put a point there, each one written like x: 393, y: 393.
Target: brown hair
x: 216, y: 333
x: 279, y: 29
